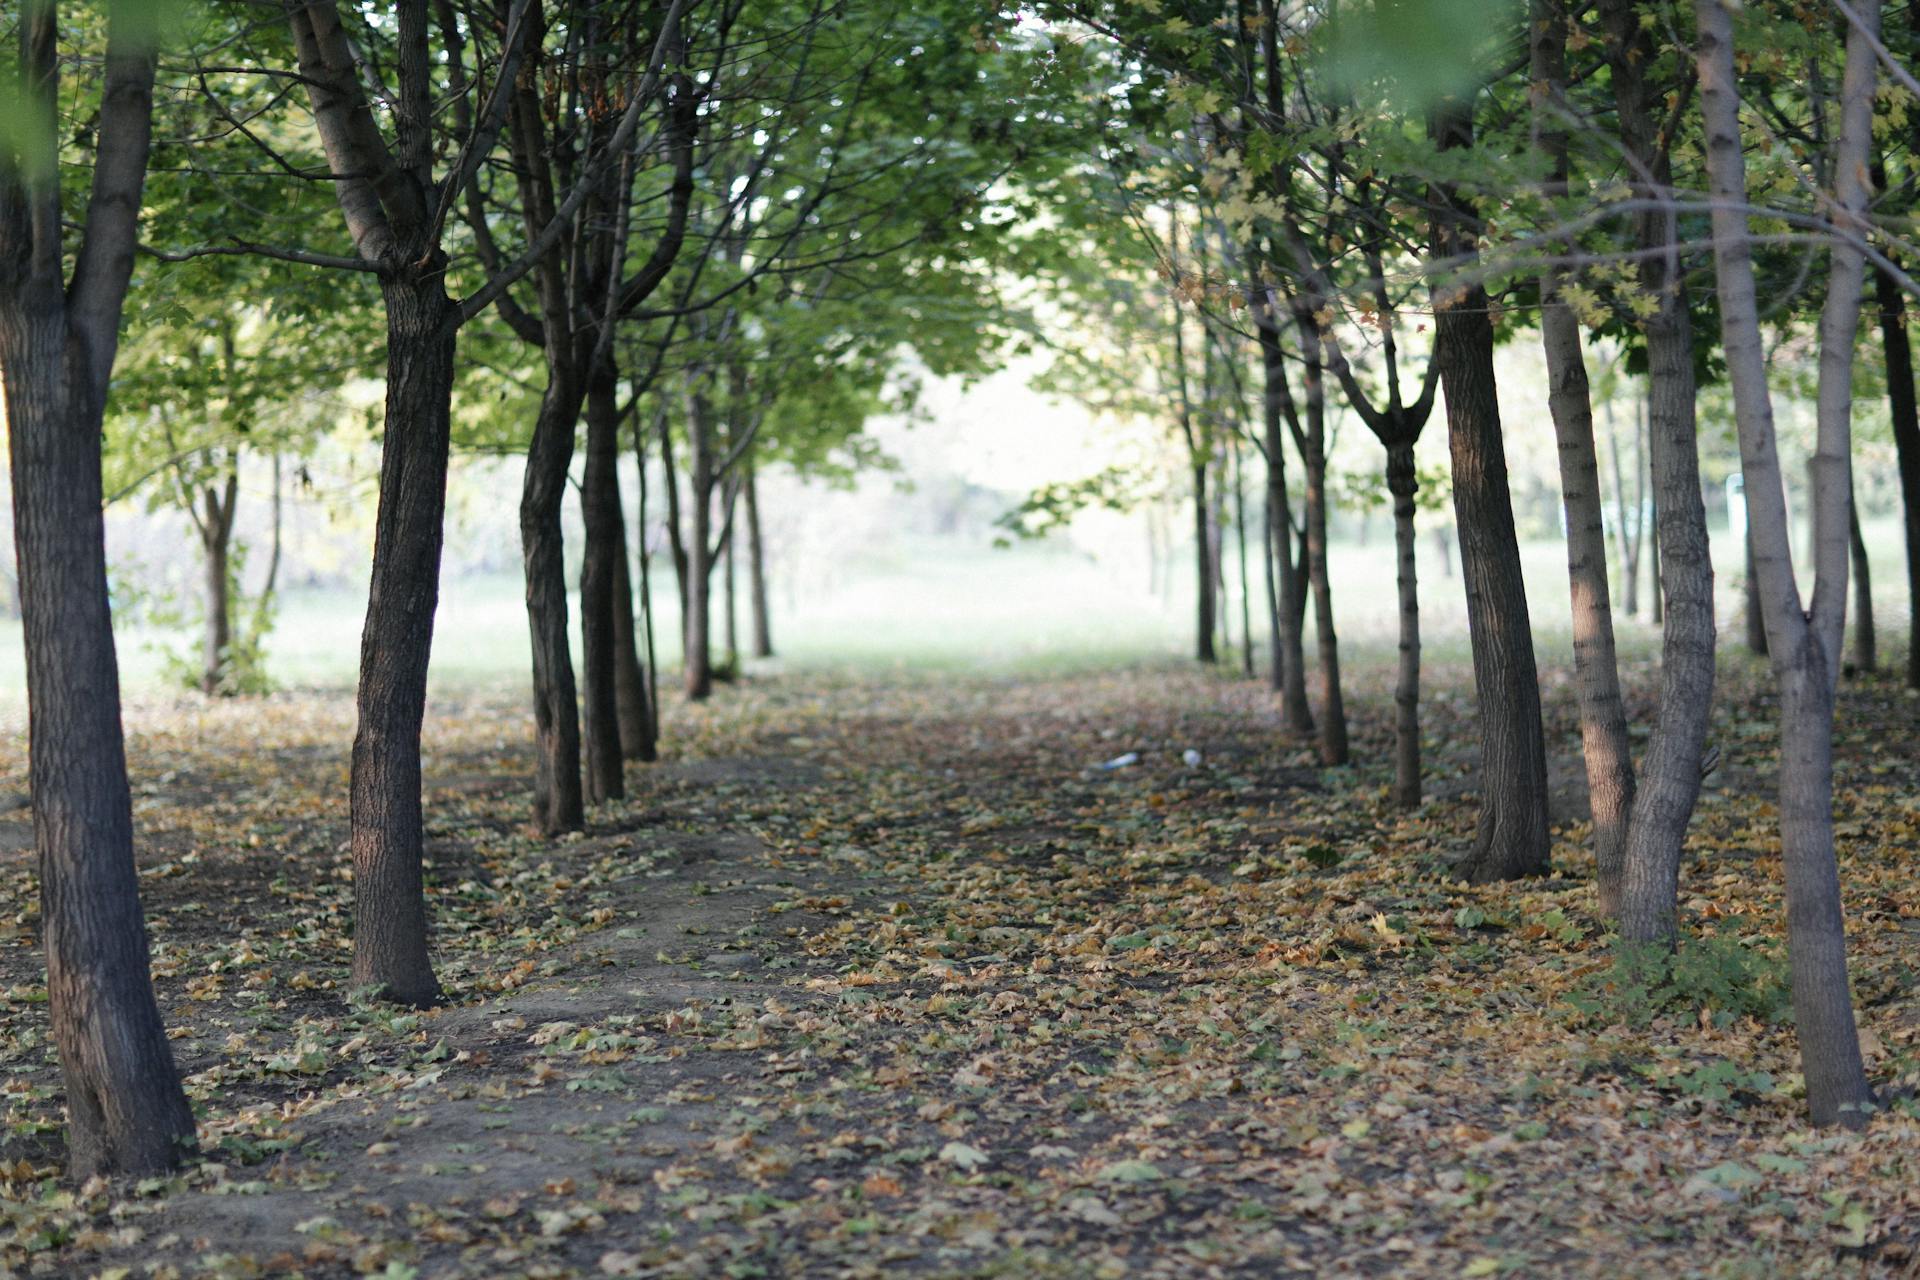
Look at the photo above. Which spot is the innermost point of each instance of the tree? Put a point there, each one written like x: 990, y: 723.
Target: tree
x: 58, y: 337
x: 1803, y: 642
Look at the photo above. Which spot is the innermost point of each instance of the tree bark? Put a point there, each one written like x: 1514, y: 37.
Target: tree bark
x: 1289, y: 662
x: 1603, y: 716
x: 1866, y: 651
x: 1512, y: 840
x: 126, y: 1112
x: 1682, y: 566
x: 388, y: 840
x: 1203, y: 646
x: 757, y: 570
x: 1755, y: 620
x: 216, y: 542
x: 1803, y: 642
x: 629, y: 672
x: 1906, y: 441
x: 1403, y: 485
x: 605, y: 548
x: 1313, y: 458
x: 558, y: 802
x: 698, y: 662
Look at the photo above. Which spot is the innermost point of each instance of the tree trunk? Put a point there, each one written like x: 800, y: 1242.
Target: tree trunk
x: 558, y: 803
x: 698, y: 662
x: 1240, y: 538
x: 757, y: 571
x: 732, y: 632
x: 1682, y: 565
x: 216, y: 542
x: 1750, y: 600
x: 1333, y: 710
x: 1513, y: 839
x: 1656, y: 594
x: 1403, y: 484
x: 1906, y: 441
x: 1603, y: 716
x: 1289, y: 661
x: 629, y: 672
x: 1866, y: 651
x: 126, y: 1112
x: 1803, y: 642
x: 390, y: 910
x: 1203, y: 564
x: 605, y: 549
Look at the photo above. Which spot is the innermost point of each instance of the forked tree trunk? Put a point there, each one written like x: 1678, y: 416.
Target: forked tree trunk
x: 757, y: 571
x: 1512, y: 840
x: 1906, y: 442
x: 390, y: 913
x: 1603, y: 716
x: 1403, y: 485
x: 1804, y: 642
x: 1682, y: 566
x: 126, y: 1112
x: 558, y: 803
x: 1866, y: 651
x: 605, y: 548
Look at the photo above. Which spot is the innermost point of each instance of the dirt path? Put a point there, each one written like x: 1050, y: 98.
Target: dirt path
x: 887, y: 979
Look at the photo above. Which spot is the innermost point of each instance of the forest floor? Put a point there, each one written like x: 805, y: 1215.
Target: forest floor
x: 880, y: 977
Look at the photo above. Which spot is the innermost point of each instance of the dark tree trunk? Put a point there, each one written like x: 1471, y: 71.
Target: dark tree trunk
x: 126, y: 1112
x: 1866, y: 650
x: 216, y: 543
x: 1313, y: 458
x: 1403, y: 484
x: 604, y: 550
x: 390, y: 911
x: 1513, y: 840
x: 1906, y: 441
x: 1750, y: 601
x: 1682, y: 566
x: 732, y: 633
x: 1289, y: 659
x: 696, y: 630
x: 629, y: 672
x: 1240, y: 538
x: 1203, y: 648
x: 757, y: 571
x: 558, y: 803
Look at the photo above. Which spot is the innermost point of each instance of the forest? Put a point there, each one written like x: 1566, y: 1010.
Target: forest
x: 849, y: 765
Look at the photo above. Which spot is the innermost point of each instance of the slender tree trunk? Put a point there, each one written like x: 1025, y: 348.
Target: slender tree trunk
x: 1513, y: 840
x: 126, y: 1112
x: 1290, y: 662
x: 757, y: 570
x: 1804, y: 642
x: 1333, y: 710
x: 1403, y: 484
x: 629, y: 673
x: 1750, y: 599
x: 1203, y: 566
x: 732, y: 637
x: 1603, y: 715
x: 558, y: 802
x: 1866, y: 651
x: 645, y: 552
x: 605, y: 548
x: 1906, y: 441
x: 390, y: 910
x: 1657, y: 594
x: 216, y: 541
x: 1240, y: 535
x: 698, y: 661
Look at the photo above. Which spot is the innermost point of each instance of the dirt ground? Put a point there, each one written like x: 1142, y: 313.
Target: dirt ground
x: 885, y: 977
